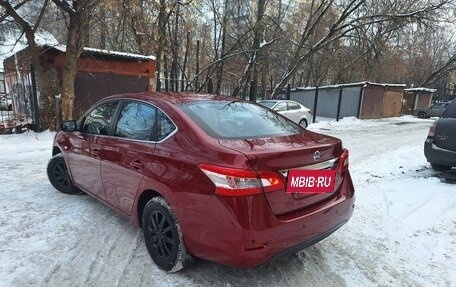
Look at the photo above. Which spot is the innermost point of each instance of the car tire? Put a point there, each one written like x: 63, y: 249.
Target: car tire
x: 422, y: 115
x: 10, y: 108
x: 440, y: 167
x: 163, y: 235
x: 303, y: 123
x: 58, y: 175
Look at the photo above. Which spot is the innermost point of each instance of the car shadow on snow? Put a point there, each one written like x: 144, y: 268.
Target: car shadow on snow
x: 448, y: 176
x: 289, y: 270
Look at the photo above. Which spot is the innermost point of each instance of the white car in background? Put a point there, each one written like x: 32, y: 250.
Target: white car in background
x: 6, y: 103
x: 290, y: 109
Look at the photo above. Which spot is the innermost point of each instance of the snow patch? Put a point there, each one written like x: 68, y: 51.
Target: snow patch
x: 402, y: 233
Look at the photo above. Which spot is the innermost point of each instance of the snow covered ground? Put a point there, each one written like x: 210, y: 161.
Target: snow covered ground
x: 403, y: 231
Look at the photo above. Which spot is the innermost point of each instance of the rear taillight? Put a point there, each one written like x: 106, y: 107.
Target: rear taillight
x: 241, y: 182
x: 343, y: 162
x: 432, y: 129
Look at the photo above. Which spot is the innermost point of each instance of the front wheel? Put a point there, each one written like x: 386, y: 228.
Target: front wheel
x: 163, y: 235
x: 303, y: 123
x: 58, y: 175
x: 421, y: 115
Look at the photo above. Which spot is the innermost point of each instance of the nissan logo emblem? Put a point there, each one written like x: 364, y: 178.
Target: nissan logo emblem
x: 316, y: 155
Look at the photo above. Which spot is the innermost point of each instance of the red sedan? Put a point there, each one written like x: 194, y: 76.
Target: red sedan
x: 204, y: 176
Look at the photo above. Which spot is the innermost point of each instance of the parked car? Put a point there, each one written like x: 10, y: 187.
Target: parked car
x: 291, y: 109
x: 440, y: 145
x: 203, y: 176
x: 435, y: 110
x: 6, y: 103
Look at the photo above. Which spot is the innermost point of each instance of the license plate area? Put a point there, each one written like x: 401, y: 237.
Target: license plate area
x: 311, y: 181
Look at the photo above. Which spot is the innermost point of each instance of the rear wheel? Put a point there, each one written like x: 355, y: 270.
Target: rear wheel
x: 421, y: 115
x: 59, y: 177
x: 440, y: 167
x: 163, y: 235
x: 303, y: 123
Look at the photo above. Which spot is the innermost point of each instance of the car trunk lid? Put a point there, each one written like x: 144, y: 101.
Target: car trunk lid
x: 306, y: 150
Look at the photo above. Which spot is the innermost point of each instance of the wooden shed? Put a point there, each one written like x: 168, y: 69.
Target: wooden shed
x: 381, y: 101
x: 416, y: 98
x: 100, y: 73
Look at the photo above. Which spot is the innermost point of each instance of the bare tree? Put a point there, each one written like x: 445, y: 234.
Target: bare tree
x: 30, y: 31
x: 258, y: 33
x: 269, y: 42
x: 79, y: 15
x: 350, y: 18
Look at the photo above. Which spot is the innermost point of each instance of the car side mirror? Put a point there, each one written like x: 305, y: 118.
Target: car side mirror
x: 68, y: 126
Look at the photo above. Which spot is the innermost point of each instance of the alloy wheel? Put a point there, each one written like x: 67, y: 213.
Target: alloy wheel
x: 61, y: 174
x: 161, y: 235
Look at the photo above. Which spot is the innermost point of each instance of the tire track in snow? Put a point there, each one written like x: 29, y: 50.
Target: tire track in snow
x: 129, y: 259
x: 124, y: 261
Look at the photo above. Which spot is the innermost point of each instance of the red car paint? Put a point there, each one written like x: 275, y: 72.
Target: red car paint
x: 241, y: 231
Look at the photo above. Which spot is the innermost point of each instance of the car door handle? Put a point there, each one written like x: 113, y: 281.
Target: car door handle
x: 137, y: 165
x: 95, y: 153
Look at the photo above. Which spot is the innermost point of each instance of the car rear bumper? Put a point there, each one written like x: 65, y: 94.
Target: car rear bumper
x: 245, y: 233
x: 436, y: 155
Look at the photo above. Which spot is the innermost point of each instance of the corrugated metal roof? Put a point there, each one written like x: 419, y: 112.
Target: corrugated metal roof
x: 92, y: 51
x: 351, y: 85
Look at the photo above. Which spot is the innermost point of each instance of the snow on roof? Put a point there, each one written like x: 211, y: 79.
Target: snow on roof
x: 12, y: 45
x: 421, y: 90
x: 62, y: 48
x: 385, y: 84
x: 365, y: 83
x: 16, y: 41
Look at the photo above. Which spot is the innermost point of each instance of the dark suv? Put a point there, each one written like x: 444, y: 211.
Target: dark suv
x: 440, y: 145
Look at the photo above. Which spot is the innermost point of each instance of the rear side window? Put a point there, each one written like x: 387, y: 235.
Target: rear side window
x: 281, y: 107
x: 136, y: 121
x: 165, y: 126
x: 268, y: 104
x: 98, y: 122
x: 293, y: 106
x: 450, y: 112
x: 238, y: 120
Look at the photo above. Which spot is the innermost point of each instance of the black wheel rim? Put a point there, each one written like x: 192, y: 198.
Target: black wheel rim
x: 61, y: 174
x: 160, y: 234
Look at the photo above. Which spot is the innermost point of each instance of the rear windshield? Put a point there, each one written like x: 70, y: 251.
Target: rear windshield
x: 450, y: 112
x: 238, y: 120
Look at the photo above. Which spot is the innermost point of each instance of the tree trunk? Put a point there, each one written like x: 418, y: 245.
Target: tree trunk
x: 197, y: 66
x: 220, y: 65
x: 45, y: 91
x: 75, y: 43
x: 258, y: 32
x: 184, y: 65
x: 161, y: 41
x: 175, y: 53
x: 46, y: 97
